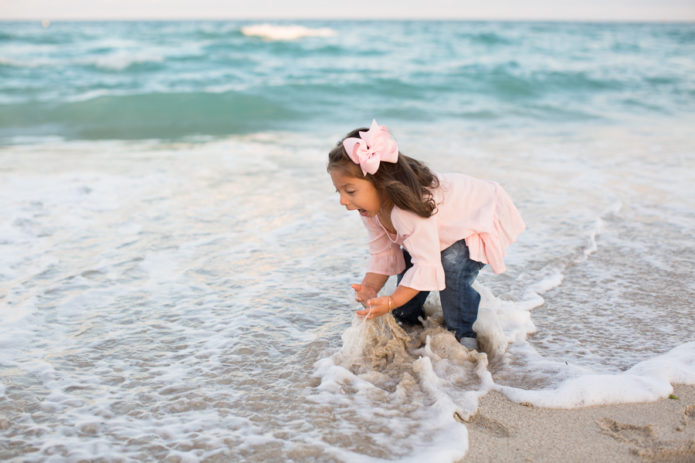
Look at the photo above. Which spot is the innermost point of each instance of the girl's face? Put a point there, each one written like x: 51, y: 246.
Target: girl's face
x: 356, y: 193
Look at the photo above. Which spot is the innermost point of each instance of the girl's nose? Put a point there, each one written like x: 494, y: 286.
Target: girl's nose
x: 343, y: 201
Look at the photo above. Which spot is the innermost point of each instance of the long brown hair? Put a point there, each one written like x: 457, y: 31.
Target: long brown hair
x: 406, y: 183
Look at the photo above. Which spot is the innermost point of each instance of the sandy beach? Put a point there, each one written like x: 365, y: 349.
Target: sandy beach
x: 661, y: 431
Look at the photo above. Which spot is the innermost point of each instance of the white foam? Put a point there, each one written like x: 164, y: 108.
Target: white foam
x: 15, y: 327
x: 293, y: 32
x: 592, y: 246
x: 16, y: 54
x: 645, y: 382
x: 26, y: 63
x: 501, y: 322
x: 421, y: 386
x: 121, y: 60
x: 147, y: 305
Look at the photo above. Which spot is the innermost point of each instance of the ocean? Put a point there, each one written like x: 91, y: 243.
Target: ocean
x: 176, y: 267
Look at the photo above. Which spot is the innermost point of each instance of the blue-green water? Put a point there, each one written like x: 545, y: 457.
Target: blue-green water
x: 164, y: 80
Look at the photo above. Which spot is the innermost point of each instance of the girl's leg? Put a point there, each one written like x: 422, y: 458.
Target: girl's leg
x: 459, y: 300
x: 409, y: 312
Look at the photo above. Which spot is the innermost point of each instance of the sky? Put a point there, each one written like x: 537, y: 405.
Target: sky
x: 596, y: 10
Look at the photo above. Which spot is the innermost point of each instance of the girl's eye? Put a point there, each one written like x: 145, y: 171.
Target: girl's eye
x: 349, y: 192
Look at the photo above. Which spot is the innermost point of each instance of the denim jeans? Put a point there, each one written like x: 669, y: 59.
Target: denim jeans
x: 459, y: 300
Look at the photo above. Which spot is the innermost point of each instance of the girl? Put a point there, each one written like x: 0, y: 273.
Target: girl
x: 434, y: 231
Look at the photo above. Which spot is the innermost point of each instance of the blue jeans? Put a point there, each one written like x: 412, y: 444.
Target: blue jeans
x: 459, y: 300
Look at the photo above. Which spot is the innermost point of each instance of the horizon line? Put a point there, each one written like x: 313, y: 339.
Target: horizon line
x: 331, y: 18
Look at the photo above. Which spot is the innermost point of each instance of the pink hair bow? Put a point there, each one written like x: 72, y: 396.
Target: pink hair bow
x: 371, y: 148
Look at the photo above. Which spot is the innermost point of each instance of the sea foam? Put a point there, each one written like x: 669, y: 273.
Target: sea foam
x: 293, y: 32
x: 151, y: 305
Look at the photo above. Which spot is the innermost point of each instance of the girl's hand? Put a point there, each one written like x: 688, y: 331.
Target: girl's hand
x: 363, y: 293
x: 376, y: 307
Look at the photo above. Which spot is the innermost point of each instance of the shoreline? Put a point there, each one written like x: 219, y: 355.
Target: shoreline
x: 505, y: 431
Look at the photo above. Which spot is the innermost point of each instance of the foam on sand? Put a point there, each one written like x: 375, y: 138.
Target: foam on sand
x: 647, y: 381
x: 434, y: 385
x: 425, y: 378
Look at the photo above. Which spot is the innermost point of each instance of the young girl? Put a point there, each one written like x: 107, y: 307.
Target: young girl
x: 434, y: 231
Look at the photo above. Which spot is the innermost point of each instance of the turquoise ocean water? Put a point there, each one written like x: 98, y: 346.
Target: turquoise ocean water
x: 163, y: 80
x: 175, y: 267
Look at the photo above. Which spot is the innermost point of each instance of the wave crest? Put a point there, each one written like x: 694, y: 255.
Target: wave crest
x: 292, y: 32
x: 123, y: 60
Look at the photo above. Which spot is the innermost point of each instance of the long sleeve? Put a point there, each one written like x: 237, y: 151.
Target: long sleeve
x: 385, y: 256
x: 490, y: 246
x: 421, y: 240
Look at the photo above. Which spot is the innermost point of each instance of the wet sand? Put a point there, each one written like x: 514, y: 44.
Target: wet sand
x: 663, y: 431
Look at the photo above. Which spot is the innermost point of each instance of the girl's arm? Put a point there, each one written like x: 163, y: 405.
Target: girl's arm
x: 378, y: 306
x: 370, y: 287
x: 422, y: 242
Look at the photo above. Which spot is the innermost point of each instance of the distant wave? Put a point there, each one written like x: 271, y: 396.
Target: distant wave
x: 114, y: 62
x: 274, y: 32
x: 167, y: 115
x: 123, y: 60
x: 8, y: 62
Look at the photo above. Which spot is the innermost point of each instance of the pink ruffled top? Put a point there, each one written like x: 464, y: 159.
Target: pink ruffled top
x: 479, y: 211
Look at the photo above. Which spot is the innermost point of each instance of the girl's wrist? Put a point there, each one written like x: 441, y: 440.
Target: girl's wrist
x: 402, y: 295
x: 368, y: 286
x: 393, y: 302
